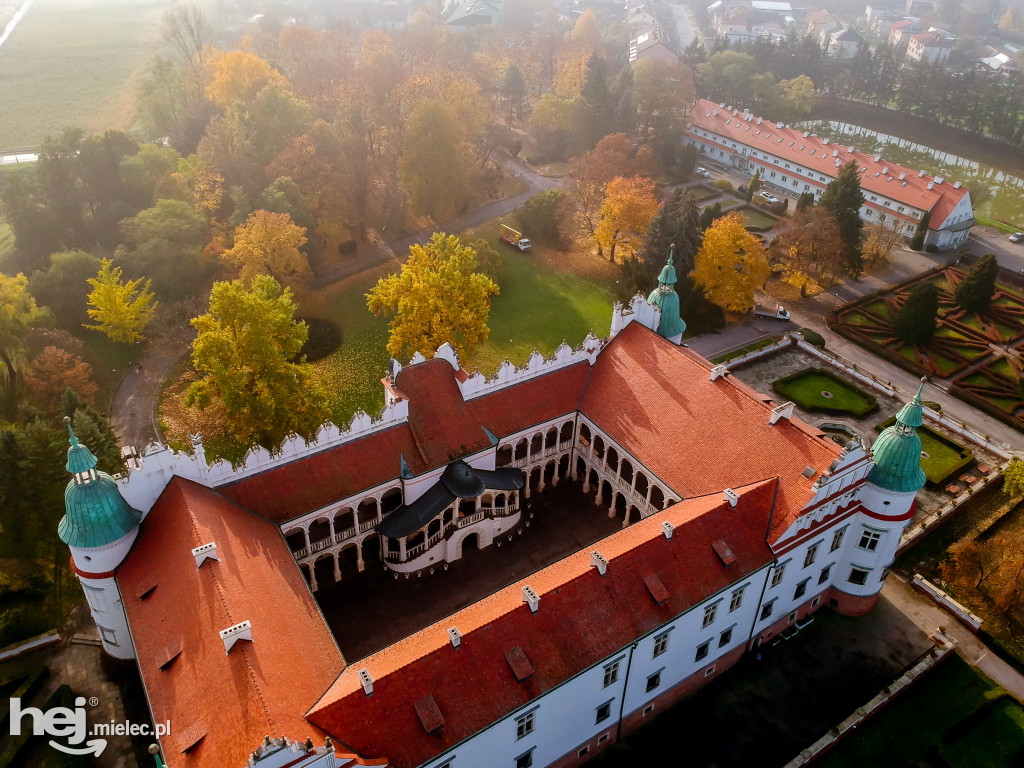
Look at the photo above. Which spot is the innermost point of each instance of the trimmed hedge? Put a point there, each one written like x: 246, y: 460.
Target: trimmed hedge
x: 811, y: 336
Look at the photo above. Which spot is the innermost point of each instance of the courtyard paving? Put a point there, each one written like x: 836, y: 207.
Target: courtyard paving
x: 767, y: 708
x: 760, y: 374
x: 563, y: 521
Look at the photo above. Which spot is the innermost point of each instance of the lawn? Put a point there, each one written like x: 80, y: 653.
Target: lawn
x: 941, y: 457
x: 953, y: 713
x: 755, y: 219
x: 815, y: 389
x: 70, y: 63
x: 538, y: 307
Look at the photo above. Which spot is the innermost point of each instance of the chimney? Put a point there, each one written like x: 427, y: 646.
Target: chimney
x: 956, y: 185
x: 455, y: 636
x: 825, y: 142
x: 366, y: 680
x: 232, y: 635
x: 719, y: 372
x: 931, y: 184
x: 666, y: 528
x: 784, y: 411
x: 598, y: 560
x: 731, y: 496
x: 903, y: 176
x: 531, y: 597
x: 885, y: 170
x: 939, y: 179
x: 835, y: 153
x: 205, y: 552
x: 920, y: 174
x: 759, y: 121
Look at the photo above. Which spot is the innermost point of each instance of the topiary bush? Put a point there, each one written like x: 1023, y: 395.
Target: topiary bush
x: 723, y: 184
x: 324, y: 337
x: 813, y: 337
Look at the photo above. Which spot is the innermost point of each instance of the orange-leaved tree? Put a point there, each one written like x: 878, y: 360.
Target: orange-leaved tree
x: 270, y: 244
x: 628, y: 207
x: 239, y: 76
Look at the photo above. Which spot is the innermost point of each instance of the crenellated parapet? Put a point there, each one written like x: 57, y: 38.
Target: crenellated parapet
x: 638, y: 310
x: 478, y: 385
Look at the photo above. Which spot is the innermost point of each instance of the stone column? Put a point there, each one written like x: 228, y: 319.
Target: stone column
x: 330, y: 526
x: 360, y: 565
x: 337, y: 566
x: 305, y: 535
x: 401, y: 548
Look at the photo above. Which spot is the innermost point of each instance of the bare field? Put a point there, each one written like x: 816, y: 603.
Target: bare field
x: 70, y: 63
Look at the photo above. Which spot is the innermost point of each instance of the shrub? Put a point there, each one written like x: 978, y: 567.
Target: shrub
x: 324, y: 337
x: 917, y: 241
x: 813, y: 337
x: 723, y: 184
x: 974, y: 293
x: 538, y: 217
x: 915, y: 323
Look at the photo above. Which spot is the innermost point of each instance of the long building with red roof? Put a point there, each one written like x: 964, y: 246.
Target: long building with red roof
x: 794, y: 161
x: 738, y: 520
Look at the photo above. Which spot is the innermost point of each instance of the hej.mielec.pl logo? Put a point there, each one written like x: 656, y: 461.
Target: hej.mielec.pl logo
x: 70, y: 726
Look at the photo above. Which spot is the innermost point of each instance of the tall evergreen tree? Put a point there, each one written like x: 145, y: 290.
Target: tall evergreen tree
x: 805, y: 201
x: 974, y: 293
x: 843, y: 199
x: 915, y: 322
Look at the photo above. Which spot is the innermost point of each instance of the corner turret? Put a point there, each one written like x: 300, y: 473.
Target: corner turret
x: 897, y: 451
x: 665, y: 298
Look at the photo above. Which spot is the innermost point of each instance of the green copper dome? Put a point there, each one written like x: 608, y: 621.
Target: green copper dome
x: 665, y: 298
x: 95, y: 512
x: 897, y: 451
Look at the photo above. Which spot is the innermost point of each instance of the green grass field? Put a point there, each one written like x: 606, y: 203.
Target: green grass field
x: 538, y: 307
x: 807, y: 389
x: 72, y: 63
x: 953, y: 714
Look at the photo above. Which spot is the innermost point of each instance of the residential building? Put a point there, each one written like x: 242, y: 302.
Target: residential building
x: 928, y: 47
x: 475, y: 13
x: 738, y: 520
x: 900, y: 32
x: 843, y: 43
x: 649, y: 45
x: 793, y: 162
x: 384, y: 16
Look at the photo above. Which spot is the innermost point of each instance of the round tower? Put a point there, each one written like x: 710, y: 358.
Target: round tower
x: 887, y: 506
x: 99, y: 528
x: 665, y: 298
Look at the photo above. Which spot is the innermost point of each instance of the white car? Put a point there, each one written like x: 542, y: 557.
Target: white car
x: 702, y: 172
x: 769, y: 197
x: 1017, y: 237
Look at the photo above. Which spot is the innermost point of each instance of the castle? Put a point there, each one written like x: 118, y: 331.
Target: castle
x: 737, y: 521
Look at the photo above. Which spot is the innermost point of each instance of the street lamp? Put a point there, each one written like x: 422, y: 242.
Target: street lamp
x: 835, y: 300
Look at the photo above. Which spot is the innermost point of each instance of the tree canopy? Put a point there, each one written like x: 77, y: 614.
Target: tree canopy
x: 731, y: 263
x: 270, y: 244
x: 437, y: 297
x: 628, y: 207
x: 974, y: 293
x: 843, y: 199
x: 916, y: 320
x: 122, y: 310
x: 434, y: 168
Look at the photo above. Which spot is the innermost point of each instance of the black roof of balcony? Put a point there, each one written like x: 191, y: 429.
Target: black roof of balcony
x: 458, y: 481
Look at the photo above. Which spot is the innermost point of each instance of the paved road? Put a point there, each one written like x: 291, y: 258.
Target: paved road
x: 398, y: 249
x: 686, y: 29
x: 929, y: 617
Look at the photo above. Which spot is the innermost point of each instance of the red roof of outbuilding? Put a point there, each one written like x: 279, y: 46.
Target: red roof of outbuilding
x: 582, y: 619
x: 811, y: 152
x: 534, y: 401
x: 221, y: 704
x: 657, y: 401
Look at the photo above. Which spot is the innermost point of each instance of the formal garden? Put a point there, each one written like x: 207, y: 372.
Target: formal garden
x: 963, y: 324
x: 821, y: 391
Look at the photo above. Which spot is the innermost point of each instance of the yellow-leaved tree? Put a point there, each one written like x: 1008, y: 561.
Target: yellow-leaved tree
x: 270, y: 244
x: 122, y: 310
x: 730, y: 264
x: 239, y: 76
x: 438, y: 297
x: 629, y: 205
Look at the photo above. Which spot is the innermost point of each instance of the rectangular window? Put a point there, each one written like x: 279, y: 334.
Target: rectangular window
x: 812, y: 553
x: 709, y: 615
x: 648, y: 709
x: 815, y: 601
x: 583, y: 751
x: 603, y: 712
x: 653, y: 681
x: 524, y: 725
x: 859, y: 576
x: 603, y: 738
x: 702, y: 650
x: 801, y: 589
x: 837, y: 539
x: 785, y: 178
x: 709, y: 671
x: 737, y: 599
x: 611, y: 674
x: 787, y: 165
x: 108, y: 635
x: 869, y: 540
x: 766, y: 610
x: 780, y: 571
x: 525, y: 761
x: 792, y: 617
x: 823, y: 576
x: 660, y: 645
x: 773, y: 172
x: 725, y: 637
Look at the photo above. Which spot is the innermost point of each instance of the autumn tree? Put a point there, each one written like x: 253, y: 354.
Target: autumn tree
x: 797, y: 98
x: 883, y: 236
x: 270, y: 244
x: 52, y: 372
x: 974, y: 293
x: 808, y: 245
x: 843, y: 199
x: 661, y: 93
x: 437, y: 297
x: 539, y: 216
x: 434, y: 168
x: 628, y: 207
x: 586, y: 178
x: 122, y: 310
x: 246, y: 352
x: 916, y: 320
x: 18, y: 313
x: 64, y: 285
x: 731, y: 264
x: 239, y: 76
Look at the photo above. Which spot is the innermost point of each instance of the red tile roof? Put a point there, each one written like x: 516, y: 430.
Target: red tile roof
x: 583, y: 618
x: 534, y: 401
x: 221, y: 705
x: 656, y: 400
x: 941, y: 199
